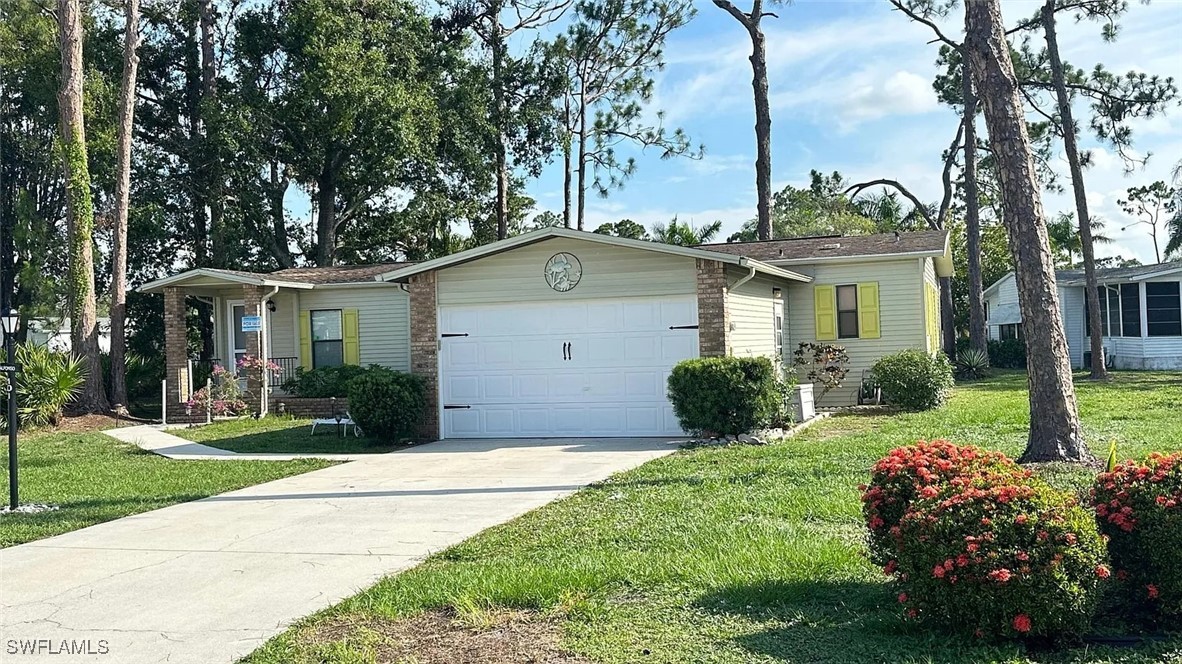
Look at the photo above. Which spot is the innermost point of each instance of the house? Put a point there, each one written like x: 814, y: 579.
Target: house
x: 1140, y: 309
x: 565, y: 333
x: 55, y: 333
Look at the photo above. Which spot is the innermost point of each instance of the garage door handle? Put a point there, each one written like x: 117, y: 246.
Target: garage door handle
x: 455, y: 407
x: 683, y: 327
x: 454, y: 334
x: 565, y: 350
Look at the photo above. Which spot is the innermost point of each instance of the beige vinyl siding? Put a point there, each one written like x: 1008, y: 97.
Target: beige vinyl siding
x: 901, y: 317
x: 282, y: 325
x: 517, y: 276
x: 751, y: 313
x: 383, y: 320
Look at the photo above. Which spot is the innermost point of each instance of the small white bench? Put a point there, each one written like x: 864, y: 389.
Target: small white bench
x: 345, y: 421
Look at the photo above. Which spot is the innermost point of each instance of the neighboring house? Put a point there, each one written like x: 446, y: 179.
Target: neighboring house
x: 1140, y: 308
x: 55, y: 333
x: 566, y: 333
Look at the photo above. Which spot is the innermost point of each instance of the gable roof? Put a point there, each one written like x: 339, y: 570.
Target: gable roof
x: 548, y: 233
x: 1076, y: 277
x: 295, y: 277
x: 838, y: 246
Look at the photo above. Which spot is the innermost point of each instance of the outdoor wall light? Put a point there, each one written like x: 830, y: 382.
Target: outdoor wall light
x: 271, y: 306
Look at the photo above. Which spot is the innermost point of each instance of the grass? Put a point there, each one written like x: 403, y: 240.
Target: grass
x: 275, y: 434
x: 94, y: 478
x: 741, y: 554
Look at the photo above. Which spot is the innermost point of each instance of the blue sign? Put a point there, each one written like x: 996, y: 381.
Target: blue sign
x: 252, y: 323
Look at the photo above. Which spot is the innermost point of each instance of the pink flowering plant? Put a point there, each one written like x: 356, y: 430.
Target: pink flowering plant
x: 1139, y: 507
x: 222, y: 398
x: 1001, y: 560
x: 921, y: 470
x: 254, y: 364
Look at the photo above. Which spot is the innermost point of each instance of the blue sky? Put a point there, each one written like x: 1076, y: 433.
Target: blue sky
x: 850, y: 84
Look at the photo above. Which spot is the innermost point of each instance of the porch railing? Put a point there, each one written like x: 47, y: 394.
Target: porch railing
x: 287, y: 369
x: 201, y: 370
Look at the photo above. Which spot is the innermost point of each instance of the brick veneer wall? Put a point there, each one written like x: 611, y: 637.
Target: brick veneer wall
x: 252, y: 300
x: 713, y: 315
x: 424, y: 347
x: 176, y: 353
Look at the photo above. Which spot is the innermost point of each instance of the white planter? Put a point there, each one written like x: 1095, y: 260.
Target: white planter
x: 802, y: 403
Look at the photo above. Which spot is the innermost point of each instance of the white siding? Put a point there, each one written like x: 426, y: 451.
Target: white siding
x: 751, y: 311
x: 900, y: 294
x: 1071, y: 305
x: 517, y: 275
x: 282, y: 325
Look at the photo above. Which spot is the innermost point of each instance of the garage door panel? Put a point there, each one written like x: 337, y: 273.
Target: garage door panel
x: 513, y: 377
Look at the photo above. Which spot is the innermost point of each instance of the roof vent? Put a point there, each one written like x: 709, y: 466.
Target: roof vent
x: 830, y: 247
x: 781, y: 253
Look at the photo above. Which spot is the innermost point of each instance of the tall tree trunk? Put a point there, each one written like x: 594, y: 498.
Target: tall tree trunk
x: 978, y: 331
x: 499, y: 121
x: 566, y: 165
x: 276, y: 192
x: 763, y: 133
x: 326, y: 213
x: 196, y: 173
x: 131, y: 42
x: 947, y: 318
x: 1055, y: 433
x: 581, y: 159
x: 210, y: 149
x: 1099, y: 370
x: 80, y: 209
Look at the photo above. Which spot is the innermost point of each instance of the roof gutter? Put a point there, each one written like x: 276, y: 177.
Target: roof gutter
x: 749, y: 277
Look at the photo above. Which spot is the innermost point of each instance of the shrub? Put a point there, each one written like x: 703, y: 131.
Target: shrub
x: 1139, y: 507
x: 47, y: 382
x: 972, y: 363
x: 323, y: 382
x: 725, y: 395
x: 222, y: 397
x: 921, y: 471
x: 387, y: 404
x: 826, y: 364
x: 1008, y: 354
x: 913, y: 379
x: 1000, y: 560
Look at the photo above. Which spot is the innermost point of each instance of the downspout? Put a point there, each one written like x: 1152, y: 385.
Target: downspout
x: 749, y: 277
x: 264, y: 334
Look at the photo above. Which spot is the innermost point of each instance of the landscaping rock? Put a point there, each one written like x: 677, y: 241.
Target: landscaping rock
x: 29, y: 508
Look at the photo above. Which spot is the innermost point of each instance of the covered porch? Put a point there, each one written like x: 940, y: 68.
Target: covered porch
x: 254, y: 316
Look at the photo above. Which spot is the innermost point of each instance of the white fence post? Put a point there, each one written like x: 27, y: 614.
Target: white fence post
x: 164, y: 401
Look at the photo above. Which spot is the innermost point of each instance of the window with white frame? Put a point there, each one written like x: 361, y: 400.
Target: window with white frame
x: 1163, y: 309
x: 778, y: 320
x: 847, y: 312
x: 328, y: 341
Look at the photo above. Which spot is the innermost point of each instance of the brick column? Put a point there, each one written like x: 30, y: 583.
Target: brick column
x: 424, y: 347
x: 714, y: 320
x: 176, y: 352
x: 253, y: 306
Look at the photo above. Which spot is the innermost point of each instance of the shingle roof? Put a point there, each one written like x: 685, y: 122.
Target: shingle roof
x: 337, y: 274
x: 849, y: 246
x: 1134, y: 273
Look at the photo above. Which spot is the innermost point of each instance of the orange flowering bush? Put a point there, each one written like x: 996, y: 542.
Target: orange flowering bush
x: 921, y: 471
x: 1000, y: 560
x: 1139, y: 507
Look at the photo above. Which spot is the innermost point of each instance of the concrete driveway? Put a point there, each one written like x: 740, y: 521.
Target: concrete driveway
x: 209, y: 581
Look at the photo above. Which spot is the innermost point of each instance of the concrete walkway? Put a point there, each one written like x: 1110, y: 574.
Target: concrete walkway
x: 155, y: 438
x: 209, y: 581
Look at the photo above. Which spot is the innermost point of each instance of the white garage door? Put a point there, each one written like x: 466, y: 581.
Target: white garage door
x: 570, y: 369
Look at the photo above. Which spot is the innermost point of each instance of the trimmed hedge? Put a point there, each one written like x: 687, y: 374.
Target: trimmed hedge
x: 323, y: 382
x: 725, y: 395
x: 1139, y: 508
x: 387, y: 404
x: 913, y: 379
x: 1008, y: 354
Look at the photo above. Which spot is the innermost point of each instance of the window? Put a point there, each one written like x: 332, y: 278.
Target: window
x: 986, y: 312
x: 237, y: 311
x: 328, y: 345
x: 1163, y: 309
x: 1130, y: 310
x: 847, y: 312
x: 1010, y: 331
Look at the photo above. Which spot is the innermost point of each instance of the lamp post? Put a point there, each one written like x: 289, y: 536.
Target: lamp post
x: 8, y: 324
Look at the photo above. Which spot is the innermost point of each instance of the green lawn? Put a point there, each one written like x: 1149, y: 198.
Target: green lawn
x: 95, y: 478
x: 738, y: 554
x: 276, y: 434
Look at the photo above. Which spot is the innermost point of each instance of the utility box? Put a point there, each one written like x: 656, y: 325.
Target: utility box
x: 802, y: 402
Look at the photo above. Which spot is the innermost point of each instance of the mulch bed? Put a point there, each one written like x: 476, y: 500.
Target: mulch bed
x: 440, y: 637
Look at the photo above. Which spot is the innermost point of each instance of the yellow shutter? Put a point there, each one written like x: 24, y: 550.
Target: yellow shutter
x: 352, y: 340
x: 868, y: 327
x: 825, y: 310
x: 306, y: 340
